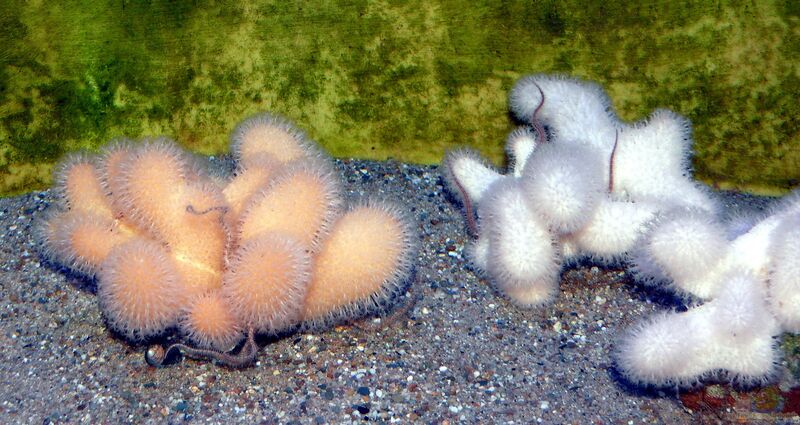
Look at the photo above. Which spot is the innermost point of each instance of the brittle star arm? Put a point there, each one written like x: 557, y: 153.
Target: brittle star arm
x: 156, y: 354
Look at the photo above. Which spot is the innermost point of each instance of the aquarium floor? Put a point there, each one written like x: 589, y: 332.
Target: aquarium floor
x: 459, y: 354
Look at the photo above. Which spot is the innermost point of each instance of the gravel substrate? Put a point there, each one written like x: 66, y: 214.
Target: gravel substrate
x: 460, y: 354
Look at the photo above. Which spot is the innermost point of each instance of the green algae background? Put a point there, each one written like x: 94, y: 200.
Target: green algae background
x: 392, y: 79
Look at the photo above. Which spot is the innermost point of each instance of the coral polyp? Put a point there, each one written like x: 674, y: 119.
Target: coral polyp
x: 269, y: 249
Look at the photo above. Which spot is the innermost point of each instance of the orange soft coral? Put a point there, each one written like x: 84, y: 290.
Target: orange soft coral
x: 267, y: 250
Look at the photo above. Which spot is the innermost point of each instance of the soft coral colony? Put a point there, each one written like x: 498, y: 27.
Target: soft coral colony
x: 582, y: 183
x: 267, y: 250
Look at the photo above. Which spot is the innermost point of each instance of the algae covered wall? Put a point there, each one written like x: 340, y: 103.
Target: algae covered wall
x: 400, y: 79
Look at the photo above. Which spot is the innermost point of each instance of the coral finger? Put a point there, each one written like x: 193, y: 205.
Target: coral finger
x: 660, y: 352
x: 613, y: 229
x: 520, y: 144
x: 523, y: 260
x: 361, y: 265
x: 686, y: 246
x: 571, y: 107
x: 468, y: 175
x: 81, y: 242
x: 784, y: 277
x: 301, y: 202
x: 653, y: 160
x: 150, y: 184
x: 78, y: 181
x: 210, y: 323
x: 140, y: 290
x: 564, y: 184
x: 199, y: 239
x: 247, y: 182
x: 113, y: 156
x: 271, y: 135
x: 266, y: 282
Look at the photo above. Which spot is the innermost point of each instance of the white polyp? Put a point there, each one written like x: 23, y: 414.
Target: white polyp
x: 659, y: 352
x: 741, y: 312
x: 652, y: 154
x: 519, y: 147
x: 784, y: 277
x: 733, y: 334
x: 687, y: 245
x: 577, y: 111
x: 613, y: 228
x: 522, y: 258
x: 564, y: 183
x: 653, y: 160
x: 751, y: 251
x: 743, y: 327
x: 465, y: 170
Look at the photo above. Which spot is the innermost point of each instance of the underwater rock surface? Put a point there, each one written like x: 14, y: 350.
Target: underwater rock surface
x: 402, y: 80
x: 460, y: 353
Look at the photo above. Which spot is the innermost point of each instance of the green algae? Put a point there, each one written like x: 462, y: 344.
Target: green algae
x: 380, y: 79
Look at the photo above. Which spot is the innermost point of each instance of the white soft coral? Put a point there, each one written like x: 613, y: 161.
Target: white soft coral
x: 582, y: 183
x: 571, y: 178
x: 751, y: 283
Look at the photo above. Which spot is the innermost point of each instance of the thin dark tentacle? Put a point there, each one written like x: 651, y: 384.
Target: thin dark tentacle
x: 155, y: 355
x: 611, y: 162
x: 388, y: 320
x: 535, y: 122
x: 223, y: 209
x: 190, y: 209
x: 472, y: 225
